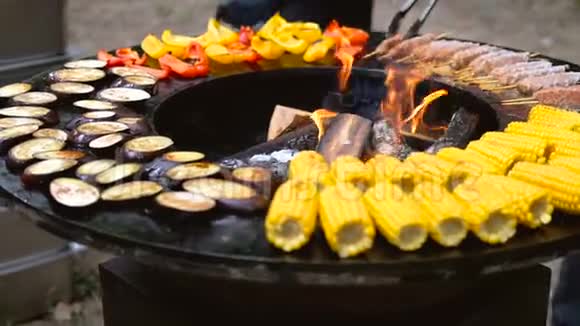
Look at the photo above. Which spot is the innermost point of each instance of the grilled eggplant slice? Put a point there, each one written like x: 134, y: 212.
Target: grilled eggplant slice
x: 46, y: 170
x: 63, y: 154
x: 182, y: 203
x: 255, y: 177
x: 14, y: 122
x: 95, y: 105
x: 99, y: 115
x: 11, y: 90
x: 107, y: 144
x: 45, y: 99
x: 69, y: 91
x: 157, y: 168
x: 146, y: 148
x: 90, y: 170
x: 138, y: 126
x: 131, y: 191
x: 23, y: 153
x: 118, y: 173
x: 46, y: 115
x: 73, y: 193
x: 228, y: 194
x: 130, y: 97
x: 128, y: 71
x: 86, y: 63
x: 77, y: 75
x: 183, y: 156
x: 86, y: 132
x: 192, y: 170
x: 12, y: 136
x: 51, y: 133
x: 145, y: 83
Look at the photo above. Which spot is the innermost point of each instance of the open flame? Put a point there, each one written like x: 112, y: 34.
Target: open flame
x: 416, y: 116
x: 319, y: 116
x: 346, y: 61
x: 399, y: 102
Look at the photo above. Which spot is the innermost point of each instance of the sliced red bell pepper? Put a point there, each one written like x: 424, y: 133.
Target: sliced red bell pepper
x: 184, y: 69
x: 142, y: 60
x: 112, y: 61
x: 196, y: 55
x: 245, y: 36
x: 127, y: 53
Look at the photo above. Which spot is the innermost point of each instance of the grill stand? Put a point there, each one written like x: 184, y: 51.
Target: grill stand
x: 136, y: 294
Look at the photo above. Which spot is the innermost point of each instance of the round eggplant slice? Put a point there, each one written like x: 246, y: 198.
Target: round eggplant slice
x: 73, y: 192
x: 107, y: 144
x: 192, y: 170
x: 131, y: 191
x: 11, y: 90
x: 138, y: 126
x: 23, y: 153
x: 180, y: 202
x: 38, y: 112
x: 90, y: 169
x: 128, y: 96
x: 35, y: 98
x: 87, y: 63
x: 127, y: 71
x: 77, y: 75
x: 11, y: 136
x: 256, y: 177
x: 40, y: 172
x: 70, y: 88
x: 145, y: 148
x: 95, y: 105
x: 84, y: 133
x: 183, y: 156
x: 145, y: 83
x: 14, y: 122
x: 51, y: 133
x: 229, y: 194
x: 63, y: 155
x: 100, y: 115
x: 118, y: 173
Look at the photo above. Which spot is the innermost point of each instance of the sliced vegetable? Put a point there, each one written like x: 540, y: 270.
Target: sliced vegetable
x: 13, y: 122
x: 192, y: 170
x: 43, y: 171
x: 130, y: 71
x: 84, y: 133
x: 23, y: 153
x: 35, y: 98
x: 38, y: 112
x: 11, y: 136
x: 145, y: 148
x: 118, y: 173
x: 90, y: 169
x: 266, y: 48
x: 181, y: 40
x: 11, y: 90
x: 87, y: 63
x: 51, y: 133
x: 179, y: 202
x: 138, y: 126
x: 62, y: 154
x: 95, y: 105
x: 68, y: 88
x: 73, y: 192
x: 318, y: 50
x: 77, y: 75
x: 131, y: 191
x: 153, y: 46
x: 227, y: 193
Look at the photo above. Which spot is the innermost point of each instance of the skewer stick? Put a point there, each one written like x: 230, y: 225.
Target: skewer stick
x: 463, y: 70
x: 520, y: 103
x: 501, y: 88
x: 418, y: 136
x: 370, y: 55
x: 520, y: 99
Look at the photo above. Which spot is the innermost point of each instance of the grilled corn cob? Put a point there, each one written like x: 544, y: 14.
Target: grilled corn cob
x: 561, y: 141
x: 490, y: 216
x: 349, y: 169
x: 570, y: 162
x: 291, y: 218
x: 307, y: 166
x: 399, y: 219
x: 504, y: 157
x: 430, y: 168
x: 384, y: 168
x: 444, y: 214
x: 477, y: 160
x: 531, y: 204
x: 553, y: 116
x: 533, y: 148
x: 562, y: 184
x: 347, y: 226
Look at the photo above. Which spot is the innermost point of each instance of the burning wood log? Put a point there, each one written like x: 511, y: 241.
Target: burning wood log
x: 386, y: 139
x: 347, y: 134
x: 285, y: 119
x: 461, y: 128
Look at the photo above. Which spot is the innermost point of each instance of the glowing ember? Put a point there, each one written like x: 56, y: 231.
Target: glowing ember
x: 416, y: 116
x: 319, y: 116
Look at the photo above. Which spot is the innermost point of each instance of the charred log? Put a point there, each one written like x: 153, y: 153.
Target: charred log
x: 347, y: 134
x: 461, y: 129
x: 386, y: 139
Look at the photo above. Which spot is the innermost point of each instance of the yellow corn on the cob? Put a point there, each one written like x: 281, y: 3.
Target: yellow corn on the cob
x: 444, y: 214
x: 291, y: 218
x: 562, y: 184
x: 307, y: 166
x: 430, y: 168
x: 399, y: 219
x: 477, y: 160
x: 349, y: 169
x: 532, y: 147
x: 489, y: 214
x: 559, y: 140
x: 553, y: 116
x: 504, y: 157
x: 570, y: 162
x: 388, y: 168
x: 531, y: 204
x: 347, y: 226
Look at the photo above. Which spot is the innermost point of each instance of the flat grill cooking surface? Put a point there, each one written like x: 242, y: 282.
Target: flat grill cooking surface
x: 236, y: 239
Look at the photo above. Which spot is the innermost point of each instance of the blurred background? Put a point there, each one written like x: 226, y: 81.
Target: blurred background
x: 41, y: 33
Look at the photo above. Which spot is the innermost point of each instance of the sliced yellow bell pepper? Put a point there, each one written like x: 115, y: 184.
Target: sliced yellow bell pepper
x: 309, y: 32
x: 267, y: 49
x: 218, y: 33
x: 290, y: 43
x: 318, y: 50
x: 182, y: 41
x: 219, y: 53
x: 271, y: 26
x: 153, y: 46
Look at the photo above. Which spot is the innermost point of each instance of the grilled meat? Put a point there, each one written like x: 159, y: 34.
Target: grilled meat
x: 389, y: 43
x: 514, y: 77
x: 564, y: 97
x: 464, y: 57
x: 441, y: 50
x: 518, y: 67
x: 485, y: 66
x: 533, y: 84
x: 406, y: 47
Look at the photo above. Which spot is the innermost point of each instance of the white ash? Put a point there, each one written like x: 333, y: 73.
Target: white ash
x: 281, y: 156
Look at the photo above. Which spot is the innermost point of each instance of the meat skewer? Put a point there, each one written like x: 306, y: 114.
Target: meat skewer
x: 564, y: 97
x: 406, y: 47
x: 532, y: 84
x: 463, y: 58
x: 511, y: 78
x: 441, y: 50
x: 520, y: 66
x: 485, y: 66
